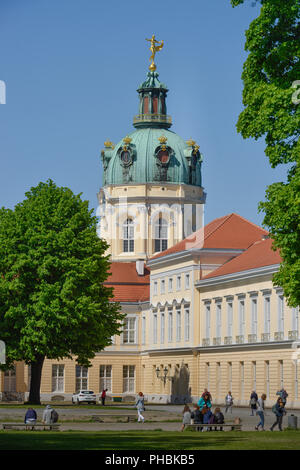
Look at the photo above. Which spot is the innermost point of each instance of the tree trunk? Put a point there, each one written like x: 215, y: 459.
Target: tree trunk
x: 35, y: 382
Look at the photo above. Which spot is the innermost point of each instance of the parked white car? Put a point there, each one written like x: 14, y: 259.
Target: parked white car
x: 84, y: 396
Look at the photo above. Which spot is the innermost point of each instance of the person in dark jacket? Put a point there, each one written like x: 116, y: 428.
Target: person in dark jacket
x: 197, y: 416
x: 279, y: 412
x: 30, y: 417
x: 218, y: 418
x: 253, y: 402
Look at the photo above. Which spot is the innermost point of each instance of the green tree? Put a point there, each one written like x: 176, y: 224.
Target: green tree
x: 52, y: 267
x: 269, y: 74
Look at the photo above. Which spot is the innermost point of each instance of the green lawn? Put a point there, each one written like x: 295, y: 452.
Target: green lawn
x: 149, y: 440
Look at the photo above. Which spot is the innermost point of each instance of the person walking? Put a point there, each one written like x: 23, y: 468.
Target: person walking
x: 279, y: 411
x: 228, y: 402
x: 261, y: 411
x: 140, y: 406
x: 253, y: 402
x: 30, y: 417
x: 103, y: 396
x: 186, y: 417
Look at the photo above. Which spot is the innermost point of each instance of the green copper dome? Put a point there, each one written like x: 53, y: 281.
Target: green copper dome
x: 152, y: 153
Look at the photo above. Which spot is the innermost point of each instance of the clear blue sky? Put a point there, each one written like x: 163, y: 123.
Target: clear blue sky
x: 72, y: 67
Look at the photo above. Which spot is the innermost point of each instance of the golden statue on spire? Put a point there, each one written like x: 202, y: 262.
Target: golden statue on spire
x: 154, y: 49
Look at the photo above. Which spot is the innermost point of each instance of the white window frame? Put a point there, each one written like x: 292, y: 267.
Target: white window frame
x: 178, y: 324
x: 170, y: 284
x: 218, y: 319
x: 129, y: 335
x: 170, y: 326
x: 178, y: 283
x: 105, y: 377
x: 162, y: 327
x: 143, y: 329
x: 267, y: 314
x: 81, y: 378
x: 229, y: 318
x: 187, y: 280
x: 162, y: 286
x: 242, y: 316
x: 280, y: 313
x: 58, y: 378
x: 207, y: 320
x: 254, y: 315
x: 155, y: 328
x: 187, y: 324
x: 128, y: 236
x: 155, y: 288
x: 128, y: 378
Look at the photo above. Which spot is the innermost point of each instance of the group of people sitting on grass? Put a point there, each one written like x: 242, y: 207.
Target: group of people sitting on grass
x: 202, y: 414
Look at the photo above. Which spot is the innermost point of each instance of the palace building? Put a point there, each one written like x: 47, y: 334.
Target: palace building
x: 201, y: 308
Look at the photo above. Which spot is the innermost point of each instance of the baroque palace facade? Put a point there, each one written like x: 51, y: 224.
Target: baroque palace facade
x: 201, y: 308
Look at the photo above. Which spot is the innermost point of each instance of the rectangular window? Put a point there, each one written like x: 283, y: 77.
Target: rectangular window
x: 281, y: 377
x: 295, y: 315
x: 155, y: 328
x: 162, y: 286
x: 81, y: 378
x: 58, y: 377
x: 105, y: 377
x: 170, y: 327
x: 178, y: 283
x: 170, y: 284
x: 207, y: 375
x: 162, y: 328
x: 280, y: 313
x: 254, y: 316
x: 267, y: 318
x: 128, y: 379
x: 229, y: 319
x: 178, y: 325
x: 187, y: 281
x: 10, y: 383
x: 242, y: 317
x: 207, y: 321
x: 186, y: 324
x: 218, y: 320
x: 129, y: 330
x: 155, y: 288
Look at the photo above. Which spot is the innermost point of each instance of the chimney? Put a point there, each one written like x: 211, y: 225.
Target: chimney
x: 139, y: 264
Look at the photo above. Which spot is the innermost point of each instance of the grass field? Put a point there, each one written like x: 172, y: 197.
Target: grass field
x: 149, y: 440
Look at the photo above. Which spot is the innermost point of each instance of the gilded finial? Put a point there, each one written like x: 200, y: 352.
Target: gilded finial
x: 191, y: 142
x: 108, y: 144
x: 154, y: 49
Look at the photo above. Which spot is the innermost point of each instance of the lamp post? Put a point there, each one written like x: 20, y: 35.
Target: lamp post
x: 165, y: 375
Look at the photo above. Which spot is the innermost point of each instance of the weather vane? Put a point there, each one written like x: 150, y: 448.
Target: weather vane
x: 154, y: 48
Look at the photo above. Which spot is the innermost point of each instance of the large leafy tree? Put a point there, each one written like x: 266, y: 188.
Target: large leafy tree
x: 52, y: 267
x: 270, y: 74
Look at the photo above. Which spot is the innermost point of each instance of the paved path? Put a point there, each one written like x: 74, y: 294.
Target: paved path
x: 156, y: 417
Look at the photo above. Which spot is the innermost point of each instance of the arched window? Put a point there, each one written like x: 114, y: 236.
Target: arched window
x: 161, y: 235
x: 128, y: 236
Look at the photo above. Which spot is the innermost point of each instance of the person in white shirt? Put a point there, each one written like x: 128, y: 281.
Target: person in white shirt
x: 228, y: 402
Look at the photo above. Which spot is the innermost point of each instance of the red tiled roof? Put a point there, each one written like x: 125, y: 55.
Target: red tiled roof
x: 229, y: 232
x: 258, y: 255
x: 128, y: 285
